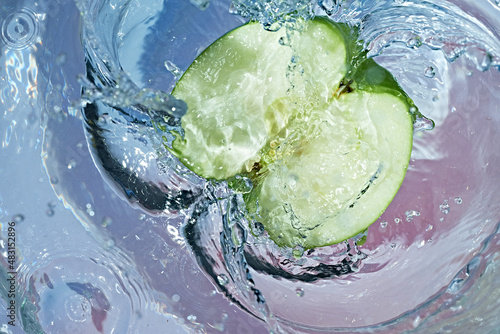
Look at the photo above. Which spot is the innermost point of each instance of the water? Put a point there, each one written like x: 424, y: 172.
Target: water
x: 110, y: 224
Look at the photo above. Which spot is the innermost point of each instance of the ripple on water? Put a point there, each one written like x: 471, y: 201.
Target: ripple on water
x: 254, y: 273
x: 93, y: 291
x: 20, y: 29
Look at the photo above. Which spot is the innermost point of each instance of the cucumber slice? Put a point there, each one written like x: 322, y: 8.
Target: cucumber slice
x: 230, y: 88
x: 338, y: 176
x: 326, y: 150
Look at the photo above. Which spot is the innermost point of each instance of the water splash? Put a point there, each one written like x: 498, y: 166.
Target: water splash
x: 240, y: 256
x: 439, y: 25
x: 272, y: 14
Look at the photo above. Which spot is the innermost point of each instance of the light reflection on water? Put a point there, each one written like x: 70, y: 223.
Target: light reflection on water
x: 87, y: 242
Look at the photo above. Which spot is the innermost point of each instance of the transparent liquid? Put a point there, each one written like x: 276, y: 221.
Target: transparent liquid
x: 153, y: 241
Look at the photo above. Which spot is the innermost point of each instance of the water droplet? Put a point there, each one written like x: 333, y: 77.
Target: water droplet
x: 383, y: 224
x: 445, y: 207
x: 423, y: 124
x: 411, y: 214
x: 299, y: 292
x: 257, y: 228
x: 232, y: 9
x: 298, y: 251
x: 106, y: 221
x: 223, y: 280
x: 18, y: 218
x: 176, y: 298
x: 239, y: 184
x: 50, y: 212
x: 458, y: 200
x: 72, y: 164
x: 397, y: 220
x: 89, y: 210
x: 430, y: 72
x: 416, y: 321
x: 101, y: 120
x: 414, y: 42
x: 430, y: 227
x: 172, y: 68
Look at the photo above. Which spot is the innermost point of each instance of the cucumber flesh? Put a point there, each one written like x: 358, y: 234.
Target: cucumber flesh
x: 326, y: 156
x: 232, y: 84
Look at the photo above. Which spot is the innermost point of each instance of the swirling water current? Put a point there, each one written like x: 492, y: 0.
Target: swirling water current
x: 427, y: 264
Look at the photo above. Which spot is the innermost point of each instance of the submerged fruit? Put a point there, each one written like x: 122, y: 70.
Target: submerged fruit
x: 325, y: 143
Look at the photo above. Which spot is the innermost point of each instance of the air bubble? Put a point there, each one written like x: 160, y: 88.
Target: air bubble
x: 411, y: 214
x: 445, y: 207
x: 397, y: 220
x: 54, y: 180
x: 458, y: 200
x: 257, y: 228
x: 223, y: 280
x: 176, y: 298
x: 429, y: 72
x: 298, y: 251
x: 191, y: 318
x: 299, y: 292
x: 232, y: 9
x: 20, y: 29
x: 414, y: 42
x: 383, y: 224
x: 172, y: 68
x: 90, y: 210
